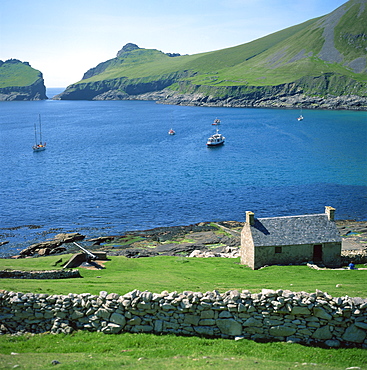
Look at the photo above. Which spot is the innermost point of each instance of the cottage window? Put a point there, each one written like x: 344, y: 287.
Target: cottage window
x: 278, y: 249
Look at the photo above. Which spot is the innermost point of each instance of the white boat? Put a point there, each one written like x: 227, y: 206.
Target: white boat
x: 39, y: 146
x: 216, y: 122
x: 216, y: 139
x: 171, y: 132
x: 300, y: 118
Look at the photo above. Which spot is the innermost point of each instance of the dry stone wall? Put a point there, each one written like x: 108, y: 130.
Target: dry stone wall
x: 357, y: 256
x: 53, y: 274
x: 311, y: 318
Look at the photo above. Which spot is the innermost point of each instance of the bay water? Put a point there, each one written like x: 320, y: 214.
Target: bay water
x: 110, y: 166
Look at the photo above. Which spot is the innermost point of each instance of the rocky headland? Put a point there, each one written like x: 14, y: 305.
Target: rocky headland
x: 35, y: 91
x: 19, y: 81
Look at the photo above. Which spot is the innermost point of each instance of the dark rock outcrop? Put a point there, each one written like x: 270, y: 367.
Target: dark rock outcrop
x: 36, y: 91
x: 120, y: 88
x: 51, y: 246
x: 127, y: 48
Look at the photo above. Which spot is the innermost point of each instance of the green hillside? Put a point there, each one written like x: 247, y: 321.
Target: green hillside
x: 332, y: 47
x: 19, y: 81
x: 15, y: 73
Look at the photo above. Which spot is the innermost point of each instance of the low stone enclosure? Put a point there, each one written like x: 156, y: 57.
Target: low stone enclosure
x: 307, y: 318
x: 52, y: 274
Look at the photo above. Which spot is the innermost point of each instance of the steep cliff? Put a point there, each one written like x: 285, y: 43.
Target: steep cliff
x: 319, y: 63
x: 19, y: 81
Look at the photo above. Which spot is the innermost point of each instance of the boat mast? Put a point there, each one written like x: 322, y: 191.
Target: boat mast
x: 35, y: 133
x: 39, y: 117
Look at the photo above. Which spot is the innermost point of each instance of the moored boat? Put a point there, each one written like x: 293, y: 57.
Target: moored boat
x: 216, y: 139
x: 39, y: 146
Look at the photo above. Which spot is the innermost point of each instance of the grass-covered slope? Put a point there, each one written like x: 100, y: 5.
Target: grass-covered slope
x: 287, y: 62
x: 19, y: 81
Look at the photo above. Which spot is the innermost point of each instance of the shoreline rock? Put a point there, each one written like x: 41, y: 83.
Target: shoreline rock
x: 296, y: 101
x: 204, y: 239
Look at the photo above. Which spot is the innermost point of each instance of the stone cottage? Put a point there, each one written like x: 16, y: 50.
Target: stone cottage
x: 291, y: 240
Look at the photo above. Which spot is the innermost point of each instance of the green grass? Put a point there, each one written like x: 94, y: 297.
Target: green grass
x: 350, y: 33
x: 156, y: 274
x: 17, y: 74
x: 82, y: 350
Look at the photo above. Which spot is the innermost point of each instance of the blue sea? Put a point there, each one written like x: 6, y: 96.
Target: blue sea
x: 111, y: 167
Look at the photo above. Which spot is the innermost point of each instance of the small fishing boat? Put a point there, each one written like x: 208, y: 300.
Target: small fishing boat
x: 216, y: 139
x: 171, y: 132
x: 300, y: 118
x: 216, y: 122
x: 39, y: 146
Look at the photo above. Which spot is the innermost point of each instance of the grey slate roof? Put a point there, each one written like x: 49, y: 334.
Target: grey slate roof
x: 294, y: 230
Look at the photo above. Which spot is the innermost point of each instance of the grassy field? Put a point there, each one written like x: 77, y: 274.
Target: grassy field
x: 156, y: 274
x: 96, y: 350
x: 84, y: 350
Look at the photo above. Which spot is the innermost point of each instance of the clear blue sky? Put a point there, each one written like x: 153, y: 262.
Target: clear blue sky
x: 64, y: 38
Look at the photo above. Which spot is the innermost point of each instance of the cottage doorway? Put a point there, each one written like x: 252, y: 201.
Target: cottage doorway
x: 317, y: 253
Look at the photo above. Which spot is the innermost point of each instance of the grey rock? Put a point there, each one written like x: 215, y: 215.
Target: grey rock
x: 229, y: 327
x: 322, y: 333
x: 321, y: 313
x: 354, y: 334
x: 300, y: 311
x: 118, y: 319
x: 281, y: 331
x: 251, y: 322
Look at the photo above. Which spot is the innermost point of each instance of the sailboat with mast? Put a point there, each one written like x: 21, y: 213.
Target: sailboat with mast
x: 39, y: 146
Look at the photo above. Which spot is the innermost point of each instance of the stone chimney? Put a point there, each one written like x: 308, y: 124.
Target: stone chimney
x: 330, y: 212
x: 250, y: 217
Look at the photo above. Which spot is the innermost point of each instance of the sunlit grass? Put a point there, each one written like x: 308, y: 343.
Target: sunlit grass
x: 84, y: 350
x: 156, y: 274
x: 17, y: 74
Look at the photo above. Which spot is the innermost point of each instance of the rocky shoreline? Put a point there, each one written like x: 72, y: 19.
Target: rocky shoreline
x: 205, y: 239
x: 294, y: 101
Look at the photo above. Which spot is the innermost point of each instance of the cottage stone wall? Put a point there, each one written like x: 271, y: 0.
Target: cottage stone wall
x: 315, y: 318
x: 296, y: 254
x: 331, y: 254
x: 259, y: 256
x: 288, y: 254
x: 247, y: 252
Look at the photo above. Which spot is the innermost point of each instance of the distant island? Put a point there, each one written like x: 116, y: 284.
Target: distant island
x: 321, y: 63
x: 19, y: 81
